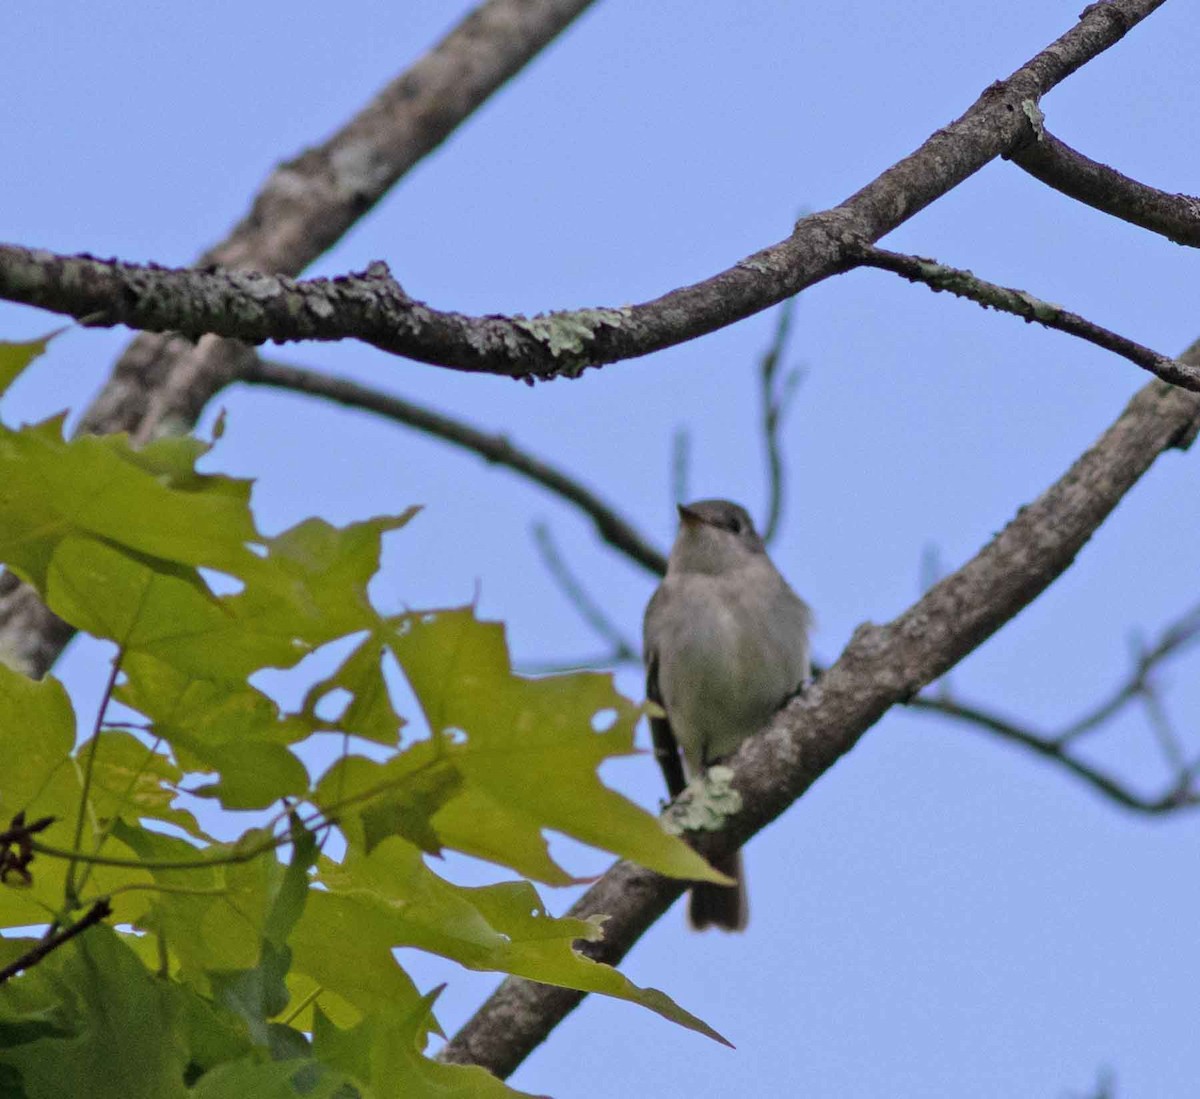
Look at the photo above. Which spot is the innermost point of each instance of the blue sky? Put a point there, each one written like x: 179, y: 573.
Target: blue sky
x: 942, y: 914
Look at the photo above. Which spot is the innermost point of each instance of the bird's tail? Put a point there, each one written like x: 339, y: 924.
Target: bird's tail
x: 722, y: 906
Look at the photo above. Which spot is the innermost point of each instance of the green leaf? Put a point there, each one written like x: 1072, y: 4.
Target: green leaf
x: 529, y: 752
x: 345, y: 950
x: 400, y: 797
x: 154, y: 606
x: 408, y: 813
x: 119, y: 1038
x: 15, y: 357
x: 369, y: 712
x: 39, y: 778
x: 499, y: 927
x: 256, y: 994
x: 288, y: 902
x: 222, y: 726
x: 219, y: 923
x: 148, y: 501
x: 384, y: 1053
x: 37, y: 729
x: 251, y: 1079
x: 312, y: 585
x: 259, y: 994
x: 131, y: 780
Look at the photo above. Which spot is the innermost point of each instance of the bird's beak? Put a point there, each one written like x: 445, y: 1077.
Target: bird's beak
x: 689, y: 517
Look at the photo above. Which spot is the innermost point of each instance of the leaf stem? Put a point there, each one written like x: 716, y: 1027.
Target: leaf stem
x: 70, y: 893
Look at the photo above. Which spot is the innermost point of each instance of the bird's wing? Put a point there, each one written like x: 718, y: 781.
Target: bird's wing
x: 666, y: 749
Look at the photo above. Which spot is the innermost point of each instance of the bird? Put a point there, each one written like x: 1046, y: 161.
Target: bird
x: 726, y: 643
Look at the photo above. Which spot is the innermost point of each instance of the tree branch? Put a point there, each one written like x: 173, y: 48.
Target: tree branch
x: 162, y: 382
x: 882, y: 666
x: 964, y: 284
x: 1176, y: 217
x: 1179, y: 635
x: 48, y: 945
x: 372, y: 307
x: 613, y: 528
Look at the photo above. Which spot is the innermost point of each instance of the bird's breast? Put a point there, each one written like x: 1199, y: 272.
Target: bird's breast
x: 730, y: 651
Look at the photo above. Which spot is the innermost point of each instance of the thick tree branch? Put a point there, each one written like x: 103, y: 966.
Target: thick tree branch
x: 1176, y: 217
x: 374, y: 308
x: 162, y: 382
x: 964, y: 284
x: 498, y: 449
x: 882, y: 666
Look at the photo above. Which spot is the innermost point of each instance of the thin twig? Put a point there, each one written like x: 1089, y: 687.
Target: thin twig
x: 681, y: 465
x: 613, y: 528
x: 964, y: 284
x: 1052, y: 748
x: 48, y: 945
x: 572, y: 587
x: 89, y: 767
x: 776, y: 396
x: 1178, y: 636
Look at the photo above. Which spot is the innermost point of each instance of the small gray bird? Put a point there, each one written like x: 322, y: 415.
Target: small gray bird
x: 726, y: 643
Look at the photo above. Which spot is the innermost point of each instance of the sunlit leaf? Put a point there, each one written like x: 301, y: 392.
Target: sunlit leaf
x: 396, y: 798
x: 132, y: 780
x: 368, y: 713
x: 499, y: 927
x: 158, y: 607
x: 149, y: 501
x: 384, y: 1053
x: 15, y: 357
x: 223, y: 726
x: 528, y: 750
x: 37, y: 728
x: 313, y: 582
x: 253, y: 1079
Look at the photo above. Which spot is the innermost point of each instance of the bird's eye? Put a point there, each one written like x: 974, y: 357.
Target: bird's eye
x: 735, y: 524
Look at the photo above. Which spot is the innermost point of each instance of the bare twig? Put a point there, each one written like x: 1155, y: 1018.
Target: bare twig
x: 964, y: 284
x: 882, y: 666
x: 1051, y: 747
x: 1057, y: 746
x: 620, y: 648
x: 776, y: 394
x: 612, y: 527
x: 1178, y: 636
x: 89, y: 766
x: 1176, y: 217
x: 681, y: 465
x: 99, y: 911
